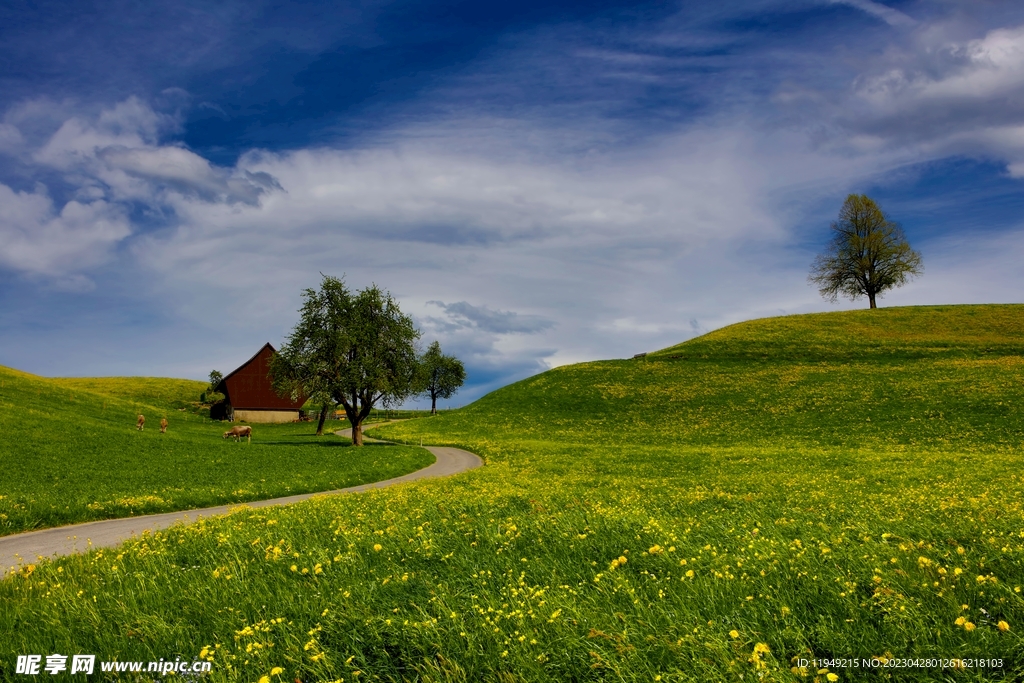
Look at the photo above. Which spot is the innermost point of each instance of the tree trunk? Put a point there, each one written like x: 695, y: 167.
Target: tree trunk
x: 323, y: 418
x: 356, y: 420
x: 433, y: 404
x: 871, y: 298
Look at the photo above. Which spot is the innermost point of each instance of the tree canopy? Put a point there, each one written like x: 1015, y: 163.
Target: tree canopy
x: 440, y: 375
x: 355, y: 350
x: 867, y: 255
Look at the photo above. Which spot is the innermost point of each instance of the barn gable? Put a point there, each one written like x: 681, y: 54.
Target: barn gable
x: 252, y: 397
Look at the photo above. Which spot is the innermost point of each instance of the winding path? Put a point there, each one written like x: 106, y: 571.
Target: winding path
x: 78, y: 538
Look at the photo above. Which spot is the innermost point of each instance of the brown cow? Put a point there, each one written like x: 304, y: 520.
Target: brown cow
x: 163, y: 425
x: 141, y: 422
x: 239, y: 432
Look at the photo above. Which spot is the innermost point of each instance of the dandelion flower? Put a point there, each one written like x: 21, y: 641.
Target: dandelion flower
x: 1003, y: 626
x: 377, y: 547
x: 734, y: 633
x: 276, y: 670
x: 969, y: 626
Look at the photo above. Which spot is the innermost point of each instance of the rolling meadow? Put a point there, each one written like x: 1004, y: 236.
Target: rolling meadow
x: 828, y: 497
x: 70, y: 453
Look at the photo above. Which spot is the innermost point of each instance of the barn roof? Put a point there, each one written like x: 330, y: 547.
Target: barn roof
x: 243, y: 365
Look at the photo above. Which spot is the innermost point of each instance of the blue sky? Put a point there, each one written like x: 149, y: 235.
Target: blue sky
x: 537, y: 183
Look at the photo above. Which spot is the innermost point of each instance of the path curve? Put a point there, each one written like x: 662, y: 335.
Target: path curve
x: 78, y: 538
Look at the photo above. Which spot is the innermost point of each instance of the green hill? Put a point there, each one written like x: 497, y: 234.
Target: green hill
x: 757, y: 504
x: 70, y: 453
x: 899, y: 377
x: 163, y: 392
x: 969, y: 331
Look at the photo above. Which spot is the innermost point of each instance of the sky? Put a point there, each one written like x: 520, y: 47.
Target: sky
x: 536, y: 183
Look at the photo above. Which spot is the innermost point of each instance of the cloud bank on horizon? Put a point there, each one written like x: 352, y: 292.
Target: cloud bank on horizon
x: 540, y: 184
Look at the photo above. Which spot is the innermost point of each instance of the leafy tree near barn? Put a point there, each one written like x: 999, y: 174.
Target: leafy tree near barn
x: 441, y: 375
x: 354, y: 349
x: 868, y: 254
x: 294, y: 372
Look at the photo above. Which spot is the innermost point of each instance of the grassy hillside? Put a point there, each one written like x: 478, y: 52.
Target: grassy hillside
x: 165, y: 392
x: 896, y: 378
x: 974, y: 331
x: 718, y: 516
x: 70, y: 453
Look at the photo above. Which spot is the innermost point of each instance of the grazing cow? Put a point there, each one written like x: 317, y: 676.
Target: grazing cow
x: 239, y: 432
x: 163, y: 425
x: 141, y: 422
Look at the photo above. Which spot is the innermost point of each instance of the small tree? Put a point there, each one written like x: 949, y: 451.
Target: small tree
x: 441, y: 375
x: 868, y: 254
x: 355, y: 349
x: 211, y: 394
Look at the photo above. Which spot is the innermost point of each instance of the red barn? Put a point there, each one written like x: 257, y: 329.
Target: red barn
x: 251, y: 396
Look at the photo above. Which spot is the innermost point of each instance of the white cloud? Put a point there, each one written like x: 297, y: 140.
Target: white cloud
x: 120, y: 149
x: 887, y: 14
x: 10, y: 138
x: 109, y: 160
x: 941, y: 97
x: 38, y: 239
x: 970, y: 71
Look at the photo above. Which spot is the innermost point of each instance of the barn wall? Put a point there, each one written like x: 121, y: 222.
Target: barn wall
x: 249, y: 386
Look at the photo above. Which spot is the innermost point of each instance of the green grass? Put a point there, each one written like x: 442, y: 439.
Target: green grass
x: 71, y: 453
x: 761, y: 515
x: 975, y: 331
x: 165, y: 392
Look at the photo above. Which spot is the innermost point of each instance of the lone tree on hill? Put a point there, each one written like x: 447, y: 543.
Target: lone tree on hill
x: 868, y: 254
x: 356, y: 350
x: 441, y: 375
